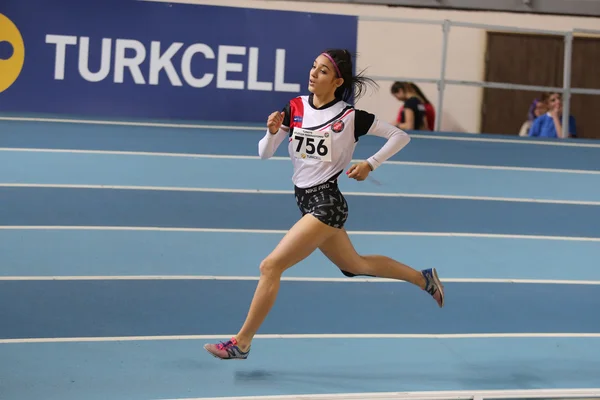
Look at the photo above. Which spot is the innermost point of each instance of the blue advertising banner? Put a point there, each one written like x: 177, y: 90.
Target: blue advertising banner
x: 139, y: 59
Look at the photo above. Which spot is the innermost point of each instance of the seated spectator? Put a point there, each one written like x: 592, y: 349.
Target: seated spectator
x: 550, y: 123
x: 412, y: 115
x: 537, y: 108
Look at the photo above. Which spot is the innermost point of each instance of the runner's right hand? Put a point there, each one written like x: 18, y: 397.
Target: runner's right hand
x: 274, y: 122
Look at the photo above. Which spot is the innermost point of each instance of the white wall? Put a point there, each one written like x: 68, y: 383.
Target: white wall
x: 409, y: 50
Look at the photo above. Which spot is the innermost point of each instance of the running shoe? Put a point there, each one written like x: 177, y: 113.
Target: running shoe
x: 228, y: 350
x: 434, y: 286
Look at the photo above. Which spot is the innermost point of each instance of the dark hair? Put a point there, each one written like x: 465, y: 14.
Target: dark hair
x: 409, y: 85
x: 354, y: 86
x: 420, y: 93
x: 397, y: 86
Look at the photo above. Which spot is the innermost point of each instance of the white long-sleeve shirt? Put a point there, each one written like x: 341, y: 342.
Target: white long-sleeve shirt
x: 321, y: 141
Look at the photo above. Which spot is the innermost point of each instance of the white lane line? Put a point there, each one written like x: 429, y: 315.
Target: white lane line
x: 431, y: 395
x: 281, y: 232
x: 559, y: 143
x: 285, y: 278
x: 304, y: 336
x: 291, y: 192
x: 280, y: 158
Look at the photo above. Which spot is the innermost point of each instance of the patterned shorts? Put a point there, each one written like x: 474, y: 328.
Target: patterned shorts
x: 325, y: 202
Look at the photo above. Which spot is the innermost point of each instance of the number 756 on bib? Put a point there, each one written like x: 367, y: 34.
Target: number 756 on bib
x: 315, y: 145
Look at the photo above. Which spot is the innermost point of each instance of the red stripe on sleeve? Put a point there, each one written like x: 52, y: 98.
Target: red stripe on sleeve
x: 297, y: 110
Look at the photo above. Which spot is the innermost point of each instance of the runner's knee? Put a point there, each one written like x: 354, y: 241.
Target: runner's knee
x: 270, y: 266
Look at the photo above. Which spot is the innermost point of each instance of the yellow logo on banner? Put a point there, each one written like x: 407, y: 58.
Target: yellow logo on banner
x: 12, y: 53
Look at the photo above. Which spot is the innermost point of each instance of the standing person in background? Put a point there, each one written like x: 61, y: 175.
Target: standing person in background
x: 420, y: 115
x: 429, y: 110
x: 550, y: 124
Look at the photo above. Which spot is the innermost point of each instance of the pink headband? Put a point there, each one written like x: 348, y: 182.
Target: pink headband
x: 334, y: 64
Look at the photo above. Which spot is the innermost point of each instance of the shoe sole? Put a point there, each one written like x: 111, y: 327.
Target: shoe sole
x: 439, y: 285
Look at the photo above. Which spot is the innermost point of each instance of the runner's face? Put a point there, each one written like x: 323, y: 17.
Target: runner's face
x: 322, y: 79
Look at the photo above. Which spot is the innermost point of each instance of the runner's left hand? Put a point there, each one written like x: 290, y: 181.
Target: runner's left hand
x: 359, y: 171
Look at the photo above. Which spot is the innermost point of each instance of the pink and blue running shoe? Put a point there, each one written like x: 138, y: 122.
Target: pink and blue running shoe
x: 228, y: 350
x: 434, y: 286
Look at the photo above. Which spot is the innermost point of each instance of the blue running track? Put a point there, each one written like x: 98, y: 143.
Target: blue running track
x: 125, y: 248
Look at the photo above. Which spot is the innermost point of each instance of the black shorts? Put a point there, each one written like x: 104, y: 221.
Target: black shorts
x: 325, y: 202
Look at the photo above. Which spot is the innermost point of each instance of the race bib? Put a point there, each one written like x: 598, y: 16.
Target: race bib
x: 314, y: 145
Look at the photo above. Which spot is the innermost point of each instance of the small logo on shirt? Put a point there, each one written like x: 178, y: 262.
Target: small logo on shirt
x: 337, y: 126
x: 297, y: 118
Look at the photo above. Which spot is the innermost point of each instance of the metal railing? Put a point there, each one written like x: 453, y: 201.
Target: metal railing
x: 441, y: 82
x: 556, y: 7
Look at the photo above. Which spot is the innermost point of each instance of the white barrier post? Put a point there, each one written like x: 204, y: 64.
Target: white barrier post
x: 566, y: 92
x: 442, y: 82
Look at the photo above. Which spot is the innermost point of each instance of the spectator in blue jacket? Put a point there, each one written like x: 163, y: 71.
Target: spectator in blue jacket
x: 550, y: 124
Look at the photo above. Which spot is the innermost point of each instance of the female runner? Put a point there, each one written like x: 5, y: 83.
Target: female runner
x: 322, y: 131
